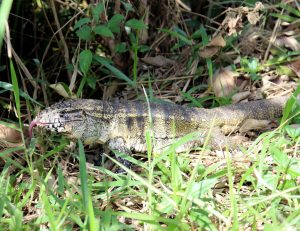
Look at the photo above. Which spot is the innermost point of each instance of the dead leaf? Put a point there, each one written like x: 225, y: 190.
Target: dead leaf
x: 9, y: 137
x: 258, y: 6
x: 253, y: 17
x: 289, y: 42
x: 224, y: 82
x: 159, y: 61
x: 295, y: 66
x: 110, y: 90
x: 63, y: 90
x: 217, y: 41
x: 212, y: 47
x: 208, y: 52
x: 234, y: 24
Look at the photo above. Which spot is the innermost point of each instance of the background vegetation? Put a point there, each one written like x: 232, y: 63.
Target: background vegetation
x: 197, y: 53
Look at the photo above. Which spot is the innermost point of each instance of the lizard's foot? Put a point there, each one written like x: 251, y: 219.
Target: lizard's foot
x: 118, y: 144
x: 124, y: 162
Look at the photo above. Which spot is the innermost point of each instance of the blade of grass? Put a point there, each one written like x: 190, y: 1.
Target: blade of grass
x: 47, y: 207
x: 233, y: 203
x: 16, y: 92
x: 289, y: 105
x: 4, y: 13
x: 27, y: 196
x: 10, y: 125
x: 286, y: 18
x: 135, y: 46
x: 118, y: 73
x: 10, y: 150
x: 290, y: 9
x: 9, y: 87
x: 205, y: 41
x: 87, y: 200
x: 143, y: 181
x: 64, y: 214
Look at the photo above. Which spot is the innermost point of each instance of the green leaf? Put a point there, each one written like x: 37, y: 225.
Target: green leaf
x: 279, y: 157
x: 114, y: 70
x: 97, y: 10
x: 136, y: 24
x: 198, y: 34
x: 286, y: 18
x: 253, y: 64
x: 289, y: 105
x: 293, y: 132
x: 85, y: 60
x: 85, y: 33
x: 91, y: 81
x: 294, y: 168
x: 128, y: 7
x: 114, y: 23
x: 81, y: 22
x: 178, y: 35
x: 103, y: 31
x: 199, y: 189
x: 144, y: 48
x: 121, y: 48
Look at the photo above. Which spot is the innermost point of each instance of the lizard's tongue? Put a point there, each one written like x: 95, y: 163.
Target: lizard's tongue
x: 32, y: 125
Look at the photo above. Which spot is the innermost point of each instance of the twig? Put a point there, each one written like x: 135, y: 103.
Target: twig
x: 273, y: 37
x: 62, y: 38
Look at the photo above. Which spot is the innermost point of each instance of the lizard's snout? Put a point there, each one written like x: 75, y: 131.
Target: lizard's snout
x: 52, y: 122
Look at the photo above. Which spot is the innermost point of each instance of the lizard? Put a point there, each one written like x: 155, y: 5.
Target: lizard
x: 122, y: 125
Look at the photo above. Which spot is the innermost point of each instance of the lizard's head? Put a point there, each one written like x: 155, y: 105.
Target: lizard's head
x: 60, y: 117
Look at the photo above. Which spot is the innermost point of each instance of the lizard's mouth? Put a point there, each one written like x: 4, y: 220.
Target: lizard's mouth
x: 52, y: 126
x: 36, y: 123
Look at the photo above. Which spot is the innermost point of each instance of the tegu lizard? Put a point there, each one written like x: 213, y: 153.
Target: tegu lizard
x: 123, y: 125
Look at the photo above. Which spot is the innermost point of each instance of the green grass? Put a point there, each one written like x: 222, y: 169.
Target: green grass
x: 169, y: 191
x: 5, y: 7
x: 177, y: 192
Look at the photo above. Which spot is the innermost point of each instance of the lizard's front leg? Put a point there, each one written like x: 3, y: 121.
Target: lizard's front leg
x: 119, y: 144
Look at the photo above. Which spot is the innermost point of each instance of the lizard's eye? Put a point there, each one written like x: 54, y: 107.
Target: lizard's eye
x: 71, y: 116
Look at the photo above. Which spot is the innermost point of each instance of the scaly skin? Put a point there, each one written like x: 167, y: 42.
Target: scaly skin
x: 122, y: 126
